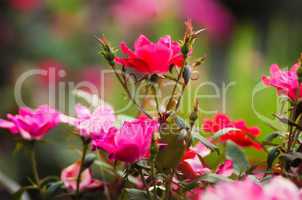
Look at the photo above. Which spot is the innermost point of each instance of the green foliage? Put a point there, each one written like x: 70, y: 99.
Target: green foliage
x: 234, y: 153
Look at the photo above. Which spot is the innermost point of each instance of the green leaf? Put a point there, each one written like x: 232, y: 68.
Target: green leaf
x: 272, y: 136
x: 54, y: 187
x: 135, y: 194
x: 170, y: 156
x: 213, y: 178
x: 272, y: 155
x: 223, y: 132
x: 234, y: 153
x: 205, y: 142
x: 89, y: 159
x: 104, y: 167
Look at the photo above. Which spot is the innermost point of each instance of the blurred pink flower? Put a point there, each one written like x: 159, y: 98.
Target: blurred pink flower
x: 92, y: 75
x: 131, y: 142
x: 278, y: 188
x: 281, y: 188
x: 135, y: 12
x: 238, y: 190
x: 243, y: 136
x: 69, y: 177
x: 201, y: 149
x: 286, y: 82
x: 152, y: 58
x: 225, y: 169
x: 25, y: 5
x: 52, y: 68
x: 195, y: 194
x: 89, y: 123
x: 191, y: 166
x: 211, y: 14
x: 31, y: 124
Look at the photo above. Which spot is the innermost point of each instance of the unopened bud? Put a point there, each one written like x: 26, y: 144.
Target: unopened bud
x: 194, y: 113
x: 186, y: 75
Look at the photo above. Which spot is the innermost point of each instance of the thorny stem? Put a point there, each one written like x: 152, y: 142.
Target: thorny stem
x: 180, y: 96
x: 291, y: 132
x: 84, y: 151
x: 128, y: 92
x: 175, y: 87
x: 156, y: 100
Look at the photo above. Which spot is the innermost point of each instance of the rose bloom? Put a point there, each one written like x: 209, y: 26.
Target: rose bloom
x: 192, y: 167
x: 131, y: 142
x: 152, y: 58
x: 69, y: 177
x: 243, y: 137
x: 31, y: 124
x: 91, y: 123
x: 286, y: 82
x: 278, y: 188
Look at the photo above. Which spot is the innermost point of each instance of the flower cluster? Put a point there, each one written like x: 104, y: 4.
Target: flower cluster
x: 278, y: 188
x: 162, y: 154
x: 243, y: 136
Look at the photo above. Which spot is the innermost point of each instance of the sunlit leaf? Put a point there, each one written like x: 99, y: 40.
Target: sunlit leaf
x: 234, y: 153
x: 205, y: 142
x: 223, y: 132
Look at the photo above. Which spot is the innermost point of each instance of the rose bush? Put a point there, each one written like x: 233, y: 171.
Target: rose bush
x: 161, y: 154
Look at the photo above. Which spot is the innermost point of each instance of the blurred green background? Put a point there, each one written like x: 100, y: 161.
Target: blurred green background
x: 241, y: 40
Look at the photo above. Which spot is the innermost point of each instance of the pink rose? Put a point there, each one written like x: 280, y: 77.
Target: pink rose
x: 91, y: 123
x: 286, y: 82
x: 191, y: 166
x: 225, y: 169
x: 69, y: 177
x: 32, y: 124
x: 152, y: 58
x: 129, y: 143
